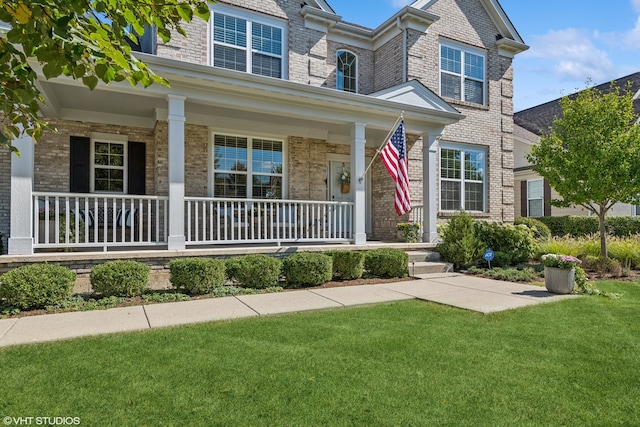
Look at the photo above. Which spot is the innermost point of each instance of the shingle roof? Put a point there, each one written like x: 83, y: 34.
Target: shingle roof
x: 538, y: 119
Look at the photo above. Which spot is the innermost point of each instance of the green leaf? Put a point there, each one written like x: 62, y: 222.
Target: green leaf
x: 90, y: 81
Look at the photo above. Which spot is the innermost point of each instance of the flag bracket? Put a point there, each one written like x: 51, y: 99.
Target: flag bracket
x: 384, y: 141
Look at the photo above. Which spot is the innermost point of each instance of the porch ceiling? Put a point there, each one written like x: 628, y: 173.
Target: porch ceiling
x: 240, y: 102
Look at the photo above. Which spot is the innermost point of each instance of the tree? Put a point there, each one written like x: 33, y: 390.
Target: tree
x: 82, y: 39
x: 591, y: 156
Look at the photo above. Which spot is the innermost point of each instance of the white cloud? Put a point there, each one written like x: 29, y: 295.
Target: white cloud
x: 402, y: 3
x: 636, y: 5
x: 571, y: 55
x: 623, y: 39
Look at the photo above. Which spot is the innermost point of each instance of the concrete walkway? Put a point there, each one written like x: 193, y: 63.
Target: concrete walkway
x: 467, y: 292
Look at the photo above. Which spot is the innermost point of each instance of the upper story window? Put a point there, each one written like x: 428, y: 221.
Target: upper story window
x: 247, y: 167
x: 462, y: 178
x: 462, y: 73
x: 347, y: 71
x: 242, y: 43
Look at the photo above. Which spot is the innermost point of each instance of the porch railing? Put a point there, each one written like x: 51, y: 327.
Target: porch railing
x: 68, y: 220
x: 215, y: 221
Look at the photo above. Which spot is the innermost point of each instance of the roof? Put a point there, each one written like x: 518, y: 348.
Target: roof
x: 539, y: 119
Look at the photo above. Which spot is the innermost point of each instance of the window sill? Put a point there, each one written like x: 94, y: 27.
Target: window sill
x: 467, y: 104
x: 474, y: 214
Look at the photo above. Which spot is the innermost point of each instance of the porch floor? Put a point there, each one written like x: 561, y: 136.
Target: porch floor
x: 470, y: 293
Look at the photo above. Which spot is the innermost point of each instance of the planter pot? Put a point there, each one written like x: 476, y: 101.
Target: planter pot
x: 344, y: 188
x: 558, y: 280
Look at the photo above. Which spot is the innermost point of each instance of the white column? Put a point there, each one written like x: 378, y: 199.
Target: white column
x: 358, y: 142
x: 176, y: 120
x: 429, y: 186
x: 21, y: 232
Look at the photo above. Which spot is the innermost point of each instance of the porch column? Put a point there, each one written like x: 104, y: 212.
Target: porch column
x: 357, y: 171
x: 176, y: 120
x: 21, y: 232
x: 429, y: 186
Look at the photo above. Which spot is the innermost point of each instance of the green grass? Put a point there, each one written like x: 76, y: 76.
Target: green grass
x: 575, y: 362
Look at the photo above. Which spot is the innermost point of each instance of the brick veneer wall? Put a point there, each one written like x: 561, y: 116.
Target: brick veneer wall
x: 5, y: 194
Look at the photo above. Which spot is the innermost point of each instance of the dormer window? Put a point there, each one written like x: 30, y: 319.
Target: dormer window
x: 347, y: 71
x: 245, y: 43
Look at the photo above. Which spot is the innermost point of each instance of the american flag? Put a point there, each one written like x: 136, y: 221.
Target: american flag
x: 394, y: 157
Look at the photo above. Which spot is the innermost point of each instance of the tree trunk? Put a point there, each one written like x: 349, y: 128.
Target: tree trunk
x: 603, y: 233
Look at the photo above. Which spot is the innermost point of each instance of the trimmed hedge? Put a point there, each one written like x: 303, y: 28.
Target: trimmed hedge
x: 581, y: 226
x: 460, y: 243
x: 197, y: 276
x: 120, y: 278
x: 514, y: 241
x: 386, y: 262
x: 257, y: 271
x: 37, y: 286
x: 347, y: 265
x: 307, y: 269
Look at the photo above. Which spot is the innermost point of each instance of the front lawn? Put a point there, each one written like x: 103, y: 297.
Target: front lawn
x: 575, y: 362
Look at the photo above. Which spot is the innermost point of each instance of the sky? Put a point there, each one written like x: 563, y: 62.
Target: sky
x: 573, y: 43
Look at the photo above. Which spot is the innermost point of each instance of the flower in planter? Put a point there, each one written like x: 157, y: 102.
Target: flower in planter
x: 345, y: 177
x: 566, y: 262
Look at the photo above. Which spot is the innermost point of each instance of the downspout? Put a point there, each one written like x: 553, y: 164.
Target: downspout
x: 404, y: 48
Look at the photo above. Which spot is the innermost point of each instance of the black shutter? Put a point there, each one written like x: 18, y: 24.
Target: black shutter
x: 79, y: 168
x: 547, y: 197
x: 137, y: 167
x: 523, y: 198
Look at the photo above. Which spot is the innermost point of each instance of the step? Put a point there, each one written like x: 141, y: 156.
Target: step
x: 429, y: 267
x: 423, y: 256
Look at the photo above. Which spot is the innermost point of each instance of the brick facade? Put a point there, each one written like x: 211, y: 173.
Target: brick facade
x: 311, y: 60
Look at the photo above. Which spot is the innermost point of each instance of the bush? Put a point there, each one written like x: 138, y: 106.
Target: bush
x: 231, y: 266
x: 538, y: 228
x: 307, y: 269
x: 501, y: 259
x: 347, y: 265
x: 580, y: 226
x: 626, y: 250
x: 623, y: 226
x: 386, y: 262
x: 197, y: 276
x: 37, y: 286
x: 515, y: 240
x: 602, y: 265
x: 258, y: 271
x: 121, y: 278
x: 410, y: 231
x: 460, y: 244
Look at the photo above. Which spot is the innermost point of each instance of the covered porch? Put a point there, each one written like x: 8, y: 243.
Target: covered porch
x: 188, y: 198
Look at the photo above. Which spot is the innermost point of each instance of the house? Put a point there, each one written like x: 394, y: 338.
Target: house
x: 270, y: 103
x: 532, y: 192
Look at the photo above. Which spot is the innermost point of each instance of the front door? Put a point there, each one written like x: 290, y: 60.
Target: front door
x: 336, y: 191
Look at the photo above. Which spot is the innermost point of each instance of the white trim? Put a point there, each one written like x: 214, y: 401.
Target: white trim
x: 485, y: 178
x: 463, y: 48
x: 110, y: 139
x: 249, y: 172
x: 250, y: 17
x: 340, y: 50
x: 541, y: 198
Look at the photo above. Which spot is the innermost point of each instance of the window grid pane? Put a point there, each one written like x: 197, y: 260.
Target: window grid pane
x: 230, y: 185
x: 346, y: 72
x: 266, y: 156
x: 230, y: 30
x: 230, y: 153
x: 536, y: 208
x: 266, y: 39
x: 450, y: 196
x: 108, y: 169
x: 462, y: 183
x: 473, y: 91
x: 450, y: 60
x: 229, y: 58
x: 473, y: 66
x: 473, y: 196
x: 266, y: 66
x: 450, y: 164
x: 450, y: 86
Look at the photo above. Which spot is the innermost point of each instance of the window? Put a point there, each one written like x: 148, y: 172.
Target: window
x: 347, y: 71
x: 247, y: 167
x: 108, y: 166
x: 462, y: 73
x: 242, y: 44
x: 535, y: 198
x: 462, y: 179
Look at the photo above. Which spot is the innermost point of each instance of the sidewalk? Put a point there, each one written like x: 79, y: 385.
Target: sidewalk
x: 467, y: 292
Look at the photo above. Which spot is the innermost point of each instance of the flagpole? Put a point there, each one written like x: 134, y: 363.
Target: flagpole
x: 384, y: 141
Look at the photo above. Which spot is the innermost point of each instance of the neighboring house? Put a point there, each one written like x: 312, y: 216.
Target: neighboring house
x: 270, y: 103
x: 532, y: 193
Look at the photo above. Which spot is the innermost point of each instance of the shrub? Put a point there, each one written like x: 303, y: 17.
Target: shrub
x: 580, y: 226
x: 121, y: 278
x: 515, y: 240
x: 197, y: 276
x: 36, y: 286
x: 501, y: 259
x: 623, y: 226
x: 626, y: 250
x: 508, y: 274
x: 410, y: 231
x: 538, y: 228
x: 603, y: 265
x: 347, y: 265
x: 386, y: 262
x: 258, y: 271
x: 559, y: 245
x: 460, y: 244
x: 307, y: 269
x: 231, y: 266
